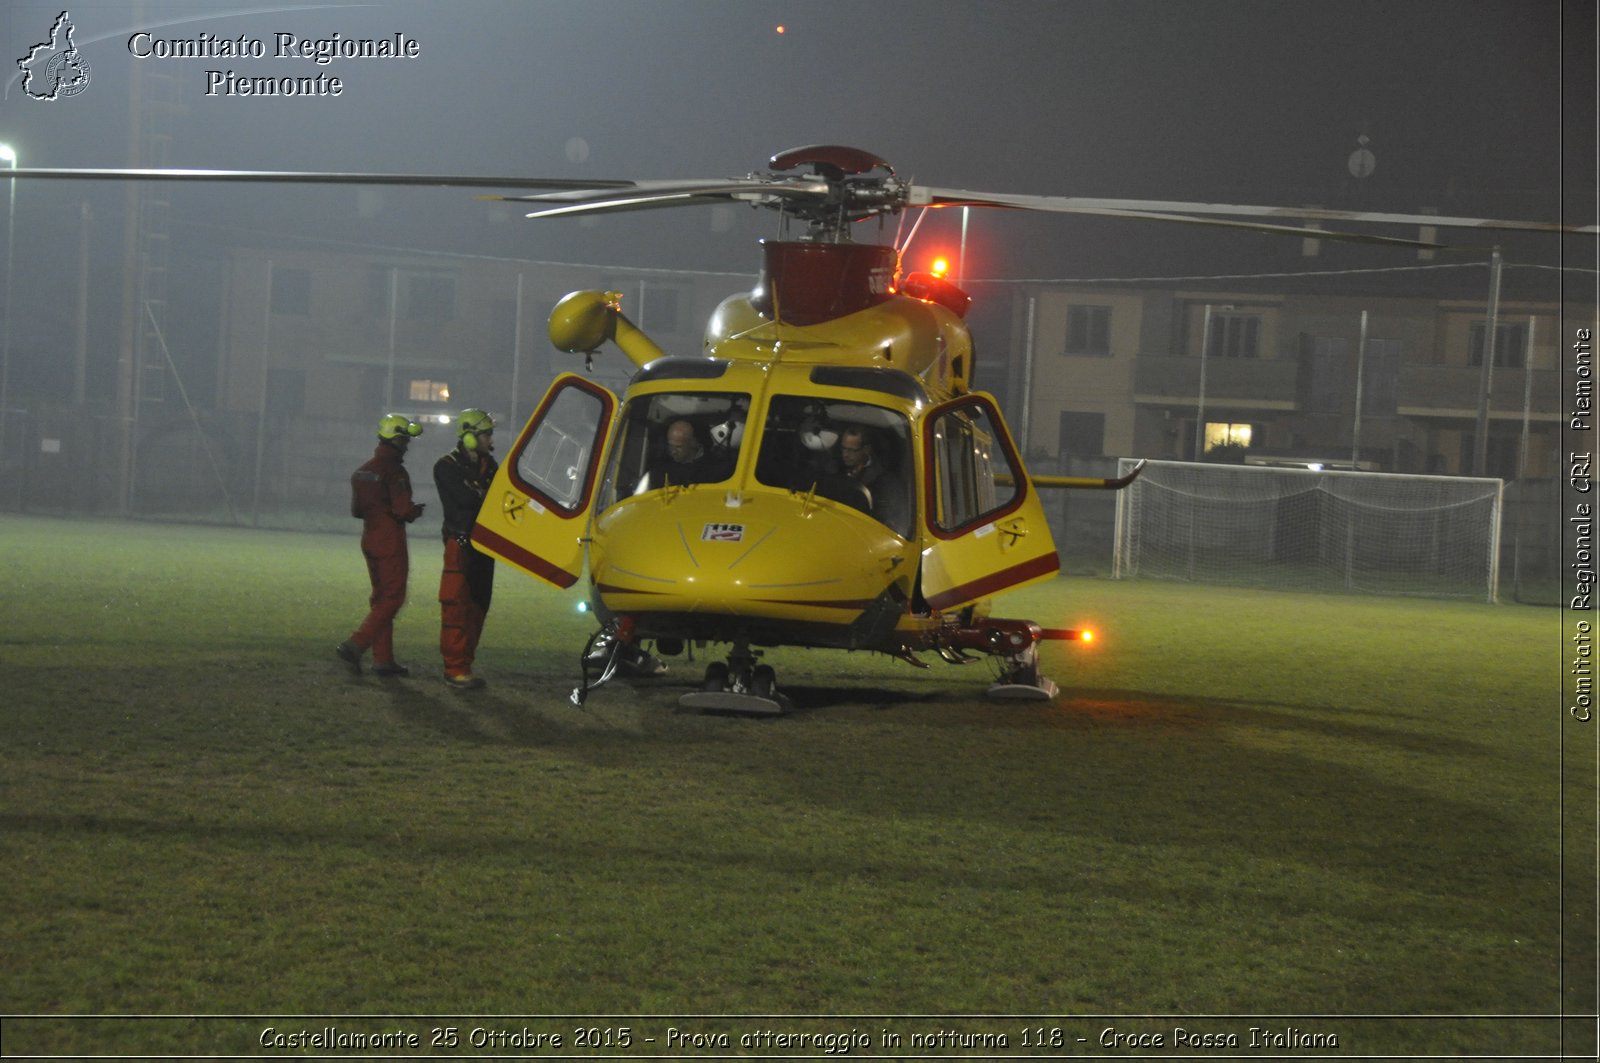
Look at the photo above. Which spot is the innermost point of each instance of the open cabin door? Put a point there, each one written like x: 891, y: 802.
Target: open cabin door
x: 987, y: 530
x: 538, y: 505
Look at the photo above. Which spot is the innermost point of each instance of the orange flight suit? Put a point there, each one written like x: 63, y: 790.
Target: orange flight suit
x: 380, y: 494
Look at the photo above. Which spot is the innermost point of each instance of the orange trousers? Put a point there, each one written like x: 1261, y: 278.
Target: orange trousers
x: 388, y: 574
x: 466, y: 586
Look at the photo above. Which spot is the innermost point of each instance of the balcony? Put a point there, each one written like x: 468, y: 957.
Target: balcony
x: 1260, y: 382
x: 1274, y: 383
x: 1452, y: 391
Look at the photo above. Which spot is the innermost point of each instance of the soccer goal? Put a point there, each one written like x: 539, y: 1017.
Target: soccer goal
x: 1303, y: 529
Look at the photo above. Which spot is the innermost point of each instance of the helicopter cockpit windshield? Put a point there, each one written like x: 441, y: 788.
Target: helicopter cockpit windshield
x: 674, y: 439
x: 851, y: 452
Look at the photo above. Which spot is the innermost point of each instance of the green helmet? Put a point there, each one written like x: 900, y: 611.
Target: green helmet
x: 470, y: 424
x: 396, y: 425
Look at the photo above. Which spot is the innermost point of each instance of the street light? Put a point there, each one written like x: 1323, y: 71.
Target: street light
x: 8, y: 155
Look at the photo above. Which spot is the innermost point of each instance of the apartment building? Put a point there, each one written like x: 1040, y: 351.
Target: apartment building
x: 1391, y: 383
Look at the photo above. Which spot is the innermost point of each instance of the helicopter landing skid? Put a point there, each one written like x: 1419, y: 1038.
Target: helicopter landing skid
x: 1041, y: 690
x: 729, y: 703
x: 739, y: 687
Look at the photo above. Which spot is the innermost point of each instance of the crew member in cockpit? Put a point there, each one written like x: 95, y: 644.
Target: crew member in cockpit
x: 687, y: 461
x: 885, y: 493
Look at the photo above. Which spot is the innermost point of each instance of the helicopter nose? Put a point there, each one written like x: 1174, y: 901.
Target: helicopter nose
x: 772, y: 556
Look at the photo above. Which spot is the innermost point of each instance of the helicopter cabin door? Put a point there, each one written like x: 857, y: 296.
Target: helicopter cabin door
x: 537, y: 508
x: 986, y: 529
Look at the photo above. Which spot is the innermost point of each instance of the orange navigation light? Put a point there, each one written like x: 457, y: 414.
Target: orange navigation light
x: 935, y: 287
x: 941, y: 266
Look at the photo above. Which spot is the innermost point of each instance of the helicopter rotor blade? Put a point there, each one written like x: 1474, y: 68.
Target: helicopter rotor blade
x: 647, y: 195
x: 839, y: 197
x: 1168, y: 210
x: 1303, y: 232
x: 312, y: 178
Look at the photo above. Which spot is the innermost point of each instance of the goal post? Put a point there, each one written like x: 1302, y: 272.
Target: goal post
x: 1307, y: 529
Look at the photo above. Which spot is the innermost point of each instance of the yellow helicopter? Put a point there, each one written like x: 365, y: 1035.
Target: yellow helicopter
x: 821, y: 473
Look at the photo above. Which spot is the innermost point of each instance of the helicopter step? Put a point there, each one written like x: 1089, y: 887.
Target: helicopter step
x: 738, y: 687
x: 1042, y: 690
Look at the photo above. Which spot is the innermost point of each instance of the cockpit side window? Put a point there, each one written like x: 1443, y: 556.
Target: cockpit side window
x: 674, y: 439
x: 853, y: 453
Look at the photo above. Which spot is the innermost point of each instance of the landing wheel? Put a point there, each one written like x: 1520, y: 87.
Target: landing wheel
x: 716, y: 679
x: 738, y: 687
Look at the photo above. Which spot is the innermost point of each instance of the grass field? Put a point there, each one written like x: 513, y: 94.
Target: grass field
x: 1277, y: 810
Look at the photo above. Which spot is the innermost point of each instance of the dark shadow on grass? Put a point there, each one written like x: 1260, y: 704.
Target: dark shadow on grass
x: 532, y: 710
x: 487, y: 716
x: 1137, y: 708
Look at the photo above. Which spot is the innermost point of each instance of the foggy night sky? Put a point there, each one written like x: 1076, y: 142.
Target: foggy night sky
x: 1471, y: 107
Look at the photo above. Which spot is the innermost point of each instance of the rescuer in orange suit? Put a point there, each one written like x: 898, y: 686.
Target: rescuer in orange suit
x: 380, y: 494
x: 467, y: 582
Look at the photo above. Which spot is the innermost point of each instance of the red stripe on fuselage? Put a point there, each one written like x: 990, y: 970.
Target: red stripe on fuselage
x: 518, y: 555
x: 996, y: 581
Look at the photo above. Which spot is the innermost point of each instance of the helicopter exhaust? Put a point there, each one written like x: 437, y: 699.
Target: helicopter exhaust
x: 583, y: 321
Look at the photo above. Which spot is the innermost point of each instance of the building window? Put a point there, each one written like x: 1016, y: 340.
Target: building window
x: 1501, y: 453
x: 1324, y: 377
x: 1235, y: 335
x: 1083, y: 435
x: 422, y: 296
x: 429, y: 391
x: 291, y: 290
x: 1089, y: 330
x: 1225, y: 433
x: 1510, y: 343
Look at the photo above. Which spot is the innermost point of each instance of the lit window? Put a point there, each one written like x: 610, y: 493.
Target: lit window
x: 429, y: 391
x: 1222, y: 433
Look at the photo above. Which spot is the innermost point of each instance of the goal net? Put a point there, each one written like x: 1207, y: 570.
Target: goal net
x: 1302, y: 529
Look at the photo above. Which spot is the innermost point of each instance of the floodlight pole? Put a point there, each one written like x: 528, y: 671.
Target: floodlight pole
x: 8, y: 154
x: 394, y: 300
x: 516, y: 356
x: 261, y: 397
x: 1480, y: 439
x: 1027, y: 375
x: 1527, y: 400
x: 961, y: 259
x: 1200, y: 400
x: 1361, y: 365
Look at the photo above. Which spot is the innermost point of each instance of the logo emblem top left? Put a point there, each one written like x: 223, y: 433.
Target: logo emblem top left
x: 55, y: 68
